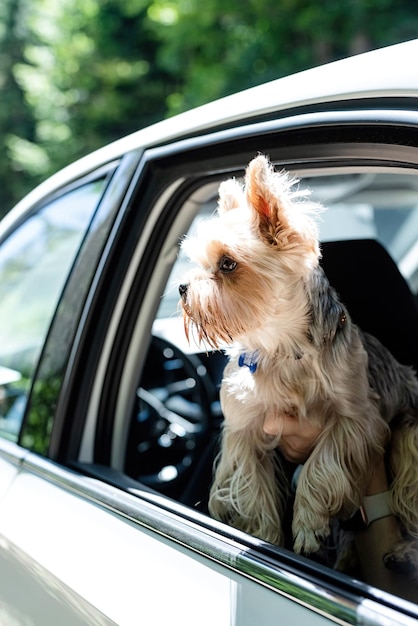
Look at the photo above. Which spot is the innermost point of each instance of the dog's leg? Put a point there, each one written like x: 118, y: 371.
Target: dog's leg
x: 334, y: 478
x: 403, y: 463
x: 245, y: 491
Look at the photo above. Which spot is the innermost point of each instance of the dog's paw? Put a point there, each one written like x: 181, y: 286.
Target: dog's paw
x: 308, y: 532
x: 403, y: 558
x: 305, y: 542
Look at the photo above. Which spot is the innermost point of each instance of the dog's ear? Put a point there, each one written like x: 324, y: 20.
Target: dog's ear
x: 231, y: 195
x: 267, y: 194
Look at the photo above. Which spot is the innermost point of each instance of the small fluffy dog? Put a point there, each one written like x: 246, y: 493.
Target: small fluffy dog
x: 294, y: 351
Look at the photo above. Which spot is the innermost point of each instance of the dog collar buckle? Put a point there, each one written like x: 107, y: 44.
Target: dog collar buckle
x: 248, y: 360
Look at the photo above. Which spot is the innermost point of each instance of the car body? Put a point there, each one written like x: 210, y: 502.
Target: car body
x: 108, y: 415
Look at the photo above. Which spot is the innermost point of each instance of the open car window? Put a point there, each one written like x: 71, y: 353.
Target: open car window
x: 374, y: 205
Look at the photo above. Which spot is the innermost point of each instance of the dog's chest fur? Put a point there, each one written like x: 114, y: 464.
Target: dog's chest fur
x: 283, y: 383
x: 301, y: 377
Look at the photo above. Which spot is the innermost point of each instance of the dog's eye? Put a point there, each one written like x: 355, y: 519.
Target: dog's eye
x: 227, y: 264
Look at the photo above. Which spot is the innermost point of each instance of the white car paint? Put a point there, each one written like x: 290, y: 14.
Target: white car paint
x: 120, y: 569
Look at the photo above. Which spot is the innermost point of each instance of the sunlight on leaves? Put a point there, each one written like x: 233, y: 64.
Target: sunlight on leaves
x: 27, y: 156
x: 164, y: 13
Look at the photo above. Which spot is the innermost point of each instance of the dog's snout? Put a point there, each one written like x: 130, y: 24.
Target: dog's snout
x: 183, y: 290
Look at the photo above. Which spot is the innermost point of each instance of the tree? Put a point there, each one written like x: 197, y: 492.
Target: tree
x: 225, y: 46
x: 85, y: 74
x: 77, y: 74
x: 17, y: 127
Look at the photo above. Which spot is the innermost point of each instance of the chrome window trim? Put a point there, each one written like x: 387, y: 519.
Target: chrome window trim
x: 12, y: 452
x: 235, y: 551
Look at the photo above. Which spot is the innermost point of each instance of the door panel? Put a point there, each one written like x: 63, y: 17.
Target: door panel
x: 31, y: 595
x: 94, y: 559
x: 11, y: 456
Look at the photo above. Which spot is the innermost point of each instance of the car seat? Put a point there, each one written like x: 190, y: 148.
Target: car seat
x: 375, y: 293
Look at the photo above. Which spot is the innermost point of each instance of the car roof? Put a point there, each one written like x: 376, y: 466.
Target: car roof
x: 388, y: 72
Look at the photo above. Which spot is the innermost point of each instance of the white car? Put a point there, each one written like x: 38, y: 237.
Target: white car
x: 109, y: 418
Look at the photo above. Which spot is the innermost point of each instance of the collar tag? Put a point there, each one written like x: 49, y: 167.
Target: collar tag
x: 248, y: 360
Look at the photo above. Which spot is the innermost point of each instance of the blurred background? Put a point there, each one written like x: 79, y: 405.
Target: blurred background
x: 76, y: 74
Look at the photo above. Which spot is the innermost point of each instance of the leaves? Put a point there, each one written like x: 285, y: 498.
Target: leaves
x: 77, y: 74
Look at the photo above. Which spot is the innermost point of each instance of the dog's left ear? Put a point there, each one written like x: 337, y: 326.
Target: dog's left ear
x: 267, y: 194
x: 231, y: 195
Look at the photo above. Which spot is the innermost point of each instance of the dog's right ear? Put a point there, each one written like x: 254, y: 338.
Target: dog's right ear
x: 279, y: 224
x: 267, y: 194
x: 231, y: 195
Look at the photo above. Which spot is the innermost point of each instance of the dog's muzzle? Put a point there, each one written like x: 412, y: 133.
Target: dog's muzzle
x: 183, y: 290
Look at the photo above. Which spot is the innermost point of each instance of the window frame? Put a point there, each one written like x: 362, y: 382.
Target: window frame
x: 45, y: 211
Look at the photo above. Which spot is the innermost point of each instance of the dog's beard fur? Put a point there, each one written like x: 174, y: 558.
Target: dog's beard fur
x: 259, y: 289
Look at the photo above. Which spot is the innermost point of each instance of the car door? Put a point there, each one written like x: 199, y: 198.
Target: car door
x: 85, y: 549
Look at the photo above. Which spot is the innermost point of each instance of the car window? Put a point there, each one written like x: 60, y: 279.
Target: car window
x: 35, y: 261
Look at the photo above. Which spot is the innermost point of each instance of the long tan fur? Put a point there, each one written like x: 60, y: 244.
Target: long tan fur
x: 294, y: 351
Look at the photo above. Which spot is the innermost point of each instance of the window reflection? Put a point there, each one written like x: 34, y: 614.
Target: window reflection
x: 35, y: 261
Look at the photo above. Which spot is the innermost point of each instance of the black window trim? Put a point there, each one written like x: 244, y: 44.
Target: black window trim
x: 106, y: 174
x: 114, y: 202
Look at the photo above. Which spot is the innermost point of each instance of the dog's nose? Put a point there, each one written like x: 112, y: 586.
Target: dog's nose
x: 183, y: 290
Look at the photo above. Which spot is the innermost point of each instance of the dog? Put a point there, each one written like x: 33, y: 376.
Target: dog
x: 293, y: 350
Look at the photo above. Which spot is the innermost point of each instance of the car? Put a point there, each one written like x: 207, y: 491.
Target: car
x: 109, y: 417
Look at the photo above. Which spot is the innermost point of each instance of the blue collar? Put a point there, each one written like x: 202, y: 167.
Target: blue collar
x: 248, y: 360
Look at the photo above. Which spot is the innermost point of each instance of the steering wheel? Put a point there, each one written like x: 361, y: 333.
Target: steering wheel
x: 176, y: 414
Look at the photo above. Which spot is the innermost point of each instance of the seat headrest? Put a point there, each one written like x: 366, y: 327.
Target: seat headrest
x: 375, y: 293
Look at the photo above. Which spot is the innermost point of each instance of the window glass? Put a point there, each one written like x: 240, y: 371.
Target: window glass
x: 35, y: 261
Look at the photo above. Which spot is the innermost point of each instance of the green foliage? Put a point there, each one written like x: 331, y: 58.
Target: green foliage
x: 77, y: 74
x: 16, y: 119
x: 36, y: 432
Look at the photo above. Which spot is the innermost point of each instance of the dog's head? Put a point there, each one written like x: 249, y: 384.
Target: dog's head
x: 261, y: 242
